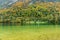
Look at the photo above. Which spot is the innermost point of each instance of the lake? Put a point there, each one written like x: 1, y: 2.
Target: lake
x: 30, y: 32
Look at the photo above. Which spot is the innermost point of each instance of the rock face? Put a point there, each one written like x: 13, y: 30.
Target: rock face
x: 6, y: 3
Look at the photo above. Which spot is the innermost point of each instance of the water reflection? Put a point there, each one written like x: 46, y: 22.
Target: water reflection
x: 9, y: 24
x: 19, y: 24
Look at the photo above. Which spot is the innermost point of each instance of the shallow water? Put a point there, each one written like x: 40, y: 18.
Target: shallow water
x: 27, y: 32
x: 30, y: 27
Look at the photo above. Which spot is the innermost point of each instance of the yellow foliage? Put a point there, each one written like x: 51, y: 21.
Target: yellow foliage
x: 4, y: 10
x: 18, y: 4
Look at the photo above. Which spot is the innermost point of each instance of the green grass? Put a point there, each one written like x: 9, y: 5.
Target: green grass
x: 30, y: 32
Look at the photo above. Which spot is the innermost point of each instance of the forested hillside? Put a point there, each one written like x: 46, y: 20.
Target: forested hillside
x: 41, y: 12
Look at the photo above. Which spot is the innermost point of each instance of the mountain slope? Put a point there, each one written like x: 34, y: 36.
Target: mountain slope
x: 6, y: 3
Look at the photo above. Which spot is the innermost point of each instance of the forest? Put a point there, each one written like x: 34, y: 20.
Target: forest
x: 37, y: 13
x: 29, y: 20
